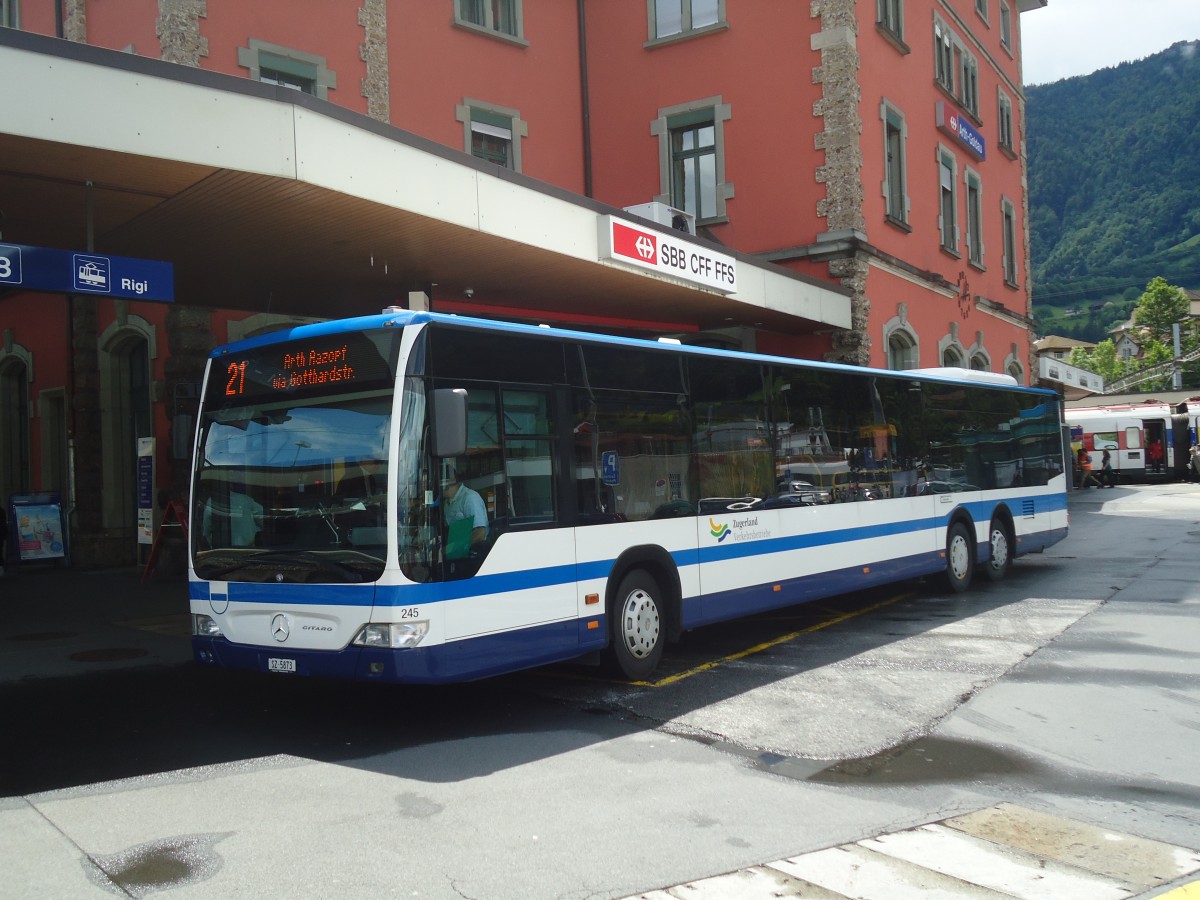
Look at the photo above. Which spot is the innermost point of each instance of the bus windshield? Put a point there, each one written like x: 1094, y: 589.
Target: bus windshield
x: 291, y: 468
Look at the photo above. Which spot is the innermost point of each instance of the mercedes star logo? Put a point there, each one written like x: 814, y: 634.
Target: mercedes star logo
x: 280, y: 628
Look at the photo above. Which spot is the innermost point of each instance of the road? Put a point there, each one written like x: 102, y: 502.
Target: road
x: 1070, y: 690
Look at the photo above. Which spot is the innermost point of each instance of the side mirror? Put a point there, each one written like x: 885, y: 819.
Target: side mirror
x: 449, y: 420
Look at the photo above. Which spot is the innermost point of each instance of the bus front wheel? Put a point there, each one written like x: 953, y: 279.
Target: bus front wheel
x: 960, y: 557
x: 638, y: 626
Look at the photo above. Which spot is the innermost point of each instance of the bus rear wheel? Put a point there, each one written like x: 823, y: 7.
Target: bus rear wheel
x: 960, y: 557
x: 638, y: 628
x: 999, y: 552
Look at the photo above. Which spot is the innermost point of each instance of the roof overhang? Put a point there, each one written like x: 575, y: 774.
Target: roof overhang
x: 265, y: 199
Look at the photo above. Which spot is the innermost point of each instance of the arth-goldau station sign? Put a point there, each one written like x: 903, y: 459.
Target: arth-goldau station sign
x: 625, y: 243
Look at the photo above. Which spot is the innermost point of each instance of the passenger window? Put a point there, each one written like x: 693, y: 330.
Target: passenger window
x: 528, y: 457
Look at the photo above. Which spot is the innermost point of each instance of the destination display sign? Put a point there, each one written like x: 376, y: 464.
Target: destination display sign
x: 51, y: 270
x: 327, y: 364
x: 666, y: 255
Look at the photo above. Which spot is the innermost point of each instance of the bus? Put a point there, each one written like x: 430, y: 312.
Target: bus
x: 1146, y: 441
x: 620, y: 492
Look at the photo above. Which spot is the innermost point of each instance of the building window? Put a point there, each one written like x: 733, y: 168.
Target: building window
x: 1009, y: 219
x: 968, y: 82
x: 955, y: 68
x: 692, y: 158
x: 497, y: 17
x: 943, y: 59
x: 295, y: 69
x: 1004, y: 127
x: 974, y: 219
x: 902, y: 350
x: 895, y: 190
x: 981, y: 7
x: 670, y: 18
x: 952, y: 357
x: 889, y: 14
x: 492, y: 133
x: 980, y: 362
x: 1006, y: 37
x: 947, y: 201
x: 694, y: 169
x: 9, y: 17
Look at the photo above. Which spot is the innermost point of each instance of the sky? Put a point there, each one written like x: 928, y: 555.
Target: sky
x: 1077, y: 37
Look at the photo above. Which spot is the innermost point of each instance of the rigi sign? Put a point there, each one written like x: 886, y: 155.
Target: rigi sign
x: 658, y: 252
x: 74, y: 272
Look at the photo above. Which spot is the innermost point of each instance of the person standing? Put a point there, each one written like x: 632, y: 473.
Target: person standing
x: 1083, y: 462
x: 1154, y: 456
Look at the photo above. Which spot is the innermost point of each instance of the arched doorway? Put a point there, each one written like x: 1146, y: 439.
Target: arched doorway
x: 127, y: 399
x: 15, y: 474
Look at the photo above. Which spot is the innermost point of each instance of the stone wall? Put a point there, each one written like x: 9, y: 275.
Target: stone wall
x: 372, y: 16
x: 840, y: 137
x: 75, y: 21
x: 178, y: 30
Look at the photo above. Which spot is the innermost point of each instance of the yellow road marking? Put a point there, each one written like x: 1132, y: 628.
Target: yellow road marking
x: 759, y: 648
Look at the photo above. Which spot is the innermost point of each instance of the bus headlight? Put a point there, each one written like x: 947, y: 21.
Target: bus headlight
x: 205, y: 626
x: 391, y: 635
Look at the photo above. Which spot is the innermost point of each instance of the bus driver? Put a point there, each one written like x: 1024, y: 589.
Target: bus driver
x: 463, y: 503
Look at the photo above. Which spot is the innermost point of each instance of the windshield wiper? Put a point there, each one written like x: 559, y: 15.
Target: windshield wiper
x: 293, y: 557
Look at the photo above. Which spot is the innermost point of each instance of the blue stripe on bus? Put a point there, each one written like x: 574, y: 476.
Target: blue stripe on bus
x: 559, y: 576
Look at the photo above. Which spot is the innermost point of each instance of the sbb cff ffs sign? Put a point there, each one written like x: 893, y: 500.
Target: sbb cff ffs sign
x: 661, y: 253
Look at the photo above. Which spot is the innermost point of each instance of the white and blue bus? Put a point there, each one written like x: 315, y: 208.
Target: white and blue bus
x: 617, y: 493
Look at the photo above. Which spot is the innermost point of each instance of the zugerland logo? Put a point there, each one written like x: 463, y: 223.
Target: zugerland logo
x: 743, y: 529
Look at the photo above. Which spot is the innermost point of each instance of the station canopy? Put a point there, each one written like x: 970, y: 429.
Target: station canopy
x: 268, y: 200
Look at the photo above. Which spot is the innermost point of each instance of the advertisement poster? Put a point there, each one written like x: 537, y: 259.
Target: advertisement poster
x: 39, y: 531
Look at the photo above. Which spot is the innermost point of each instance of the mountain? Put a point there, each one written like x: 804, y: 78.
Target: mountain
x: 1114, y: 184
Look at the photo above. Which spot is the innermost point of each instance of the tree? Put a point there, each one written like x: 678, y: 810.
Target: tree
x: 1102, y: 360
x: 1159, y: 308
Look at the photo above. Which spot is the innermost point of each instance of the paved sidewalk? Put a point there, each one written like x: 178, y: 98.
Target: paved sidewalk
x: 1003, y: 851
x: 63, y: 622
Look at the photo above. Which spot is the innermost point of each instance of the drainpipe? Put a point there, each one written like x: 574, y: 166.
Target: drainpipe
x: 585, y: 102
x: 58, y: 18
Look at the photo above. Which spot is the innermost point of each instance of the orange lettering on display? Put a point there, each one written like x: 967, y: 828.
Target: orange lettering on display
x: 237, y: 379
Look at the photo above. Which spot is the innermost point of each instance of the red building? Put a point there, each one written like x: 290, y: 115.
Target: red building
x: 861, y: 163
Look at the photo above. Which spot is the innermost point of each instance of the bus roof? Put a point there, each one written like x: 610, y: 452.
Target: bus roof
x: 396, y: 317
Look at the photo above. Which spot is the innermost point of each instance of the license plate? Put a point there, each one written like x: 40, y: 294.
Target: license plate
x: 281, y: 665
